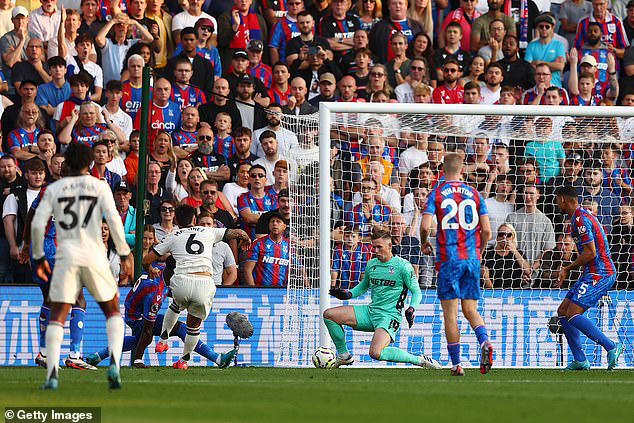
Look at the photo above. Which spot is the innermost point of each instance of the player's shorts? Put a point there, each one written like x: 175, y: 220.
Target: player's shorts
x: 587, y: 291
x: 137, y: 325
x: 459, y: 279
x: 369, y: 320
x: 195, y: 293
x: 68, y: 279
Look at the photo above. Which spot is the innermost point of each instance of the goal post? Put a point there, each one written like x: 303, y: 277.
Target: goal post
x: 309, y: 298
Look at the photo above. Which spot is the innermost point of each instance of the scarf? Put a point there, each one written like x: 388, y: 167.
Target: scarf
x: 249, y: 29
x: 523, y: 35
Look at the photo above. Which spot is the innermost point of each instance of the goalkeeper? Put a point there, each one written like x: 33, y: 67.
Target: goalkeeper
x: 389, y: 278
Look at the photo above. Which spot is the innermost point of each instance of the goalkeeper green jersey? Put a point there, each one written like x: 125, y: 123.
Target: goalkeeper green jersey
x: 389, y: 283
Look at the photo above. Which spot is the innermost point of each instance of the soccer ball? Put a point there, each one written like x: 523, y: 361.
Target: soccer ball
x: 324, y: 358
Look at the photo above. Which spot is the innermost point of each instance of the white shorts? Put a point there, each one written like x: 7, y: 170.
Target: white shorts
x: 68, y: 279
x: 194, y: 293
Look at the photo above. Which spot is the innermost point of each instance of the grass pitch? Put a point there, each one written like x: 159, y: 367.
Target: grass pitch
x: 350, y: 395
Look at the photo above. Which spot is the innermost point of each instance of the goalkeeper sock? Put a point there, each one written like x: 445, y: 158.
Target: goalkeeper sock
x: 397, y: 355
x: 115, y: 330
x: 201, y: 348
x: 454, y: 352
x: 76, y: 330
x: 191, y: 339
x: 481, y: 334
x: 573, y: 338
x: 590, y: 330
x: 45, y: 313
x: 169, y: 320
x: 337, y: 335
x: 54, y: 337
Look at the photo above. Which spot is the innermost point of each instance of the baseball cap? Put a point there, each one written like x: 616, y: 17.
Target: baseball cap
x: 547, y: 18
x: 245, y: 78
x: 19, y: 10
x: 240, y: 54
x: 204, y: 22
x: 255, y: 45
x: 589, y: 60
x: 574, y: 156
x: 122, y: 186
x: 327, y: 76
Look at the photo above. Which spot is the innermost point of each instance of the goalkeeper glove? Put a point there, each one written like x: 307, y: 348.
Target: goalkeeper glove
x: 342, y: 294
x: 409, y: 316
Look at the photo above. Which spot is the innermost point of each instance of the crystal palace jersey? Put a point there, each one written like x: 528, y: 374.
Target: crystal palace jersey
x: 247, y: 201
x: 585, y: 228
x: 89, y: 135
x: 272, y: 261
x: 131, y: 98
x: 145, y: 299
x: 19, y: 137
x: 458, y: 208
x: 224, y: 146
x: 188, y: 96
x: 351, y: 263
x: 184, y: 138
x: 50, y: 235
x: 380, y: 214
x: 191, y: 248
x: 167, y: 117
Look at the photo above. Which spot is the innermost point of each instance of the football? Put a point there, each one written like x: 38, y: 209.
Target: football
x: 324, y: 358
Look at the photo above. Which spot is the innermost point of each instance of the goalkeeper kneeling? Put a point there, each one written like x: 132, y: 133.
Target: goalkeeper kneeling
x: 389, y: 278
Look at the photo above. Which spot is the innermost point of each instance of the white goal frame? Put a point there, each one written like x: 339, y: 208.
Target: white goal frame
x: 326, y: 110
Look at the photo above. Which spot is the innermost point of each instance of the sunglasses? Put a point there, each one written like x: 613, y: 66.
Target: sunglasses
x: 377, y: 74
x: 205, y: 138
x: 505, y: 235
x: 109, y: 140
x: 167, y: 209
x: 207, y: 28
x: 544, y: 26
x: 207, y: 192
x: 450, y: 70
x: 257, y: 175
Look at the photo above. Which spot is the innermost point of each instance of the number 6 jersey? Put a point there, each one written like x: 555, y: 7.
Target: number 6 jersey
x: 458, y: 208
x: 191, y: 248
x: 78, y: 204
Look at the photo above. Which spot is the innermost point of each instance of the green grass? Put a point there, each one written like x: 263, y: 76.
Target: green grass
x: 311, y: 395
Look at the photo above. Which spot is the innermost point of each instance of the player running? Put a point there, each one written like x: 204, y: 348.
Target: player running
x: 599, y: 275
x: 77, y: 203
x: 389, y: 278
x: 463, y: 230
x: 192, y: 283
x: 141, y: 307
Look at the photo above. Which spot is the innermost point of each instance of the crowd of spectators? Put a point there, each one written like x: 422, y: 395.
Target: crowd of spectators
x: 229, y: 74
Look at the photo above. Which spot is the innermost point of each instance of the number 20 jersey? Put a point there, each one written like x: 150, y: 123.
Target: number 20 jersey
x: 457, y: 207
x: 191, y: 248
x: 78, y: 204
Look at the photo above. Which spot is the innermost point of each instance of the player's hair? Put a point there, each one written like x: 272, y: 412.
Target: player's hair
x: 453, y: 163
x: 184, y: 215
x: 77, y: 157
x: 381, y: 234
x: 35, y: 164
x: 567, y: 191
x: 242, y: 132
x: 267, y: 134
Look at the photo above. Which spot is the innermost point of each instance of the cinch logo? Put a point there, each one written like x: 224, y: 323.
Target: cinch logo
x: 168, y: 126
x: 275, y: 260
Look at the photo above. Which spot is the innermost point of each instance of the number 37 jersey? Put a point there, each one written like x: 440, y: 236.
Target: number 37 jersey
x: 78, y: 204
x: 458, y: 208
x: 191, y: 248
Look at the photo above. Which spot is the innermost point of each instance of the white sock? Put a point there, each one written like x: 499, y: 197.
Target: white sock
x: 54, y: 337
x: 191, y: 339
x: 115, y: 330
x: 169, y: 320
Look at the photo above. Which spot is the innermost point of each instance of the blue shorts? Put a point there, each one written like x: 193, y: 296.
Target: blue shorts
x: 137, y: 325
x: 459, y: 279
x: 587, y: 291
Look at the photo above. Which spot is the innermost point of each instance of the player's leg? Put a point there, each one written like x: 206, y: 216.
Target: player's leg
x: 77, y: 315
x: 222, y: 360
x: 450, y: 317
x: 334, y: 318
x: 45, y: 312
x: 166, y: 328
x: 573, y: 336
x: 470, y: 311
x: 54, y: 337
x: 115, y: 330
x: 129, y: 343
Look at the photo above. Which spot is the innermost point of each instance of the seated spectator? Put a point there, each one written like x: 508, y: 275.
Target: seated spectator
x: 500, y: 205
x: 450, y: 92
x: 268, y: 261
x: 547, y: 49
x: 452, y: 49
x: 492, y: 52
x: 164, y: 114
x: 13, y: 43
x: 553, y: 261
x: 46, y: 151
x: 132, y: 158
x: 474, y: 72
x: 183, y: 92
x: 176, y: 181
x: 203, y: 74
x: 215, y: 202
x: 283, y: 30
x: 375, y: 152
x: 224, y: 264
x: 543, y: 80
x: 284, y: 209
x: 100, y: 157
x: 131, y: 88
x: 297, y: 47
x: 480, y: 33
x: 615, y: 177
x: 411, y: 158
x: 596, y: 58
x: 593, y: 189
x: 368, y: 213
x: 191, y: 14
x: 403, y: 243
x: 79, y: 94
x: 280, y: 176
x: 504, y: 266
x: 22, y: 140
x: 114, y: 92
x: 385, y: 194
x: 122, y: 197
x: 297, y: 102
x: 232, y: 190
x: 271, y: 155
x: 493, y: 78
x: 549, y: 154
x: 256, y: 201
x: 612, y: 27
x: 166, y: 226
x: 518, y: 73
x: 396, y: 19
x: 349, y: 259
x: 57, y: 91
x: 253, y: 117
x: 256, y: 67
x: 162, y: 153
x: 243, y: 154
x: 223, y: 143
x: 398, y: 66
x: 338, y: 26
x: 280, y: 89
x: 319, y: 66
x: 154, y: 193
x: 220, y: 103
x: 535, y: 231
x: 582, y: 94
x: 621, y: 241
x: 417, y: 71
x: 194, y: 179
x: 286, y: 139
x: 33, y: 67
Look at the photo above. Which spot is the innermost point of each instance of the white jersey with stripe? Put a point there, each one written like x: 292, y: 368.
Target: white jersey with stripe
x: 191, y: 248
x: 78, y: 204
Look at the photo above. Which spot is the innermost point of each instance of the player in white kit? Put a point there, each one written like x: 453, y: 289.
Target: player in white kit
x: 77, y: 203
x: 192, y: 283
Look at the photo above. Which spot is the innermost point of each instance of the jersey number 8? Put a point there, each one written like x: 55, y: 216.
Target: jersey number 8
x: 460, y: 210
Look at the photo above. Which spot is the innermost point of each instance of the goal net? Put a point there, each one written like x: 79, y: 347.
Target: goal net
x: 375, y: 167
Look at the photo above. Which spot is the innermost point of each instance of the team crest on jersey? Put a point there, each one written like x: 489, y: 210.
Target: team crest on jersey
x: 390, y: 270
x: 582, y: 229
x: 155, y: 308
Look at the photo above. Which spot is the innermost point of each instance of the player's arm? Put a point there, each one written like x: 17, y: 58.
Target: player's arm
x: 40, y: 219
x: 239, y: 235
x: 425, y: 229
x: 485, y: 231
x: 363, y: 286
x: 410, y: 278
x: 587, y: 255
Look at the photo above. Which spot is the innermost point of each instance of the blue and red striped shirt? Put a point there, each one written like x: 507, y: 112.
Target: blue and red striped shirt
x: 185, y: 138
x: 188, y: 96
x: 224, y: 146
x: 351, y: 263
x: 612, y: 28
x: 264, y: 73
x: 131, y: 98
x: 255, y: 205
x: 458, y: 208
x: 380, y: 214
x: 146, y: 297
x: 89, y: 135
x: 19, y: 137
x: 272, y: 259
x: 585, y: 228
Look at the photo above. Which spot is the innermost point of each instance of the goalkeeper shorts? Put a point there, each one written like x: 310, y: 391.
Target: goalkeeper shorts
x: 369, y: 320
